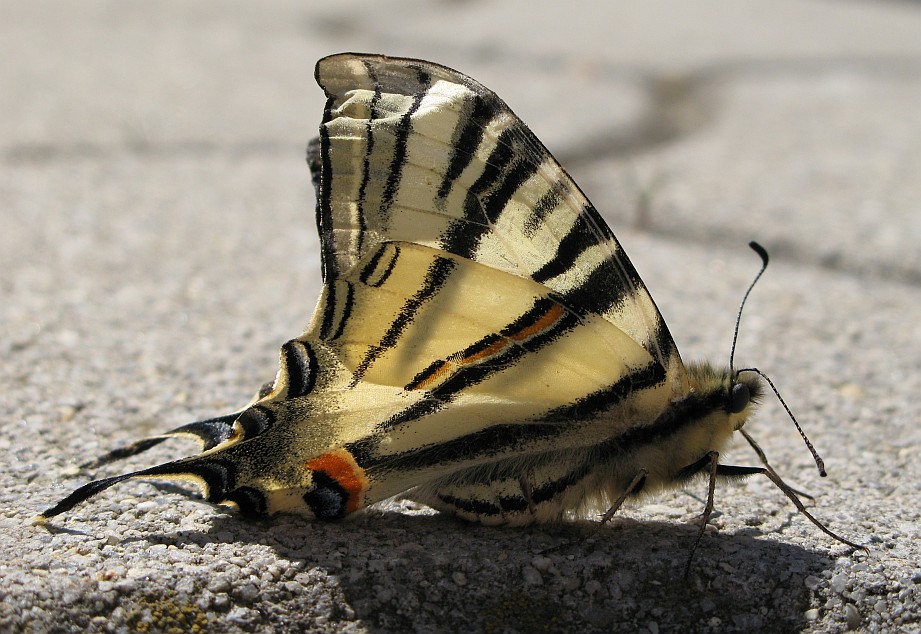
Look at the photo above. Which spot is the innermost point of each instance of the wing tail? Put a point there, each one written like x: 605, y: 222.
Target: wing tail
x: 210, y: 432
x: 216, y: 474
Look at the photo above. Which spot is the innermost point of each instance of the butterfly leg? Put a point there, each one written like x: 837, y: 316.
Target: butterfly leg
x: 773, y: 477
x: 763, y: 458
x: 716, y: 470
x: 635, y: 486
x: 790, y: 492
x: 710, y: 462
x: 524, y: 482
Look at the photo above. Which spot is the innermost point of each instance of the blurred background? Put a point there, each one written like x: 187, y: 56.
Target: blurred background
x: 705, y: 119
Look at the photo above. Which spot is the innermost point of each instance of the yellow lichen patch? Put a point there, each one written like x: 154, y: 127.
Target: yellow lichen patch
x: 168, y: 614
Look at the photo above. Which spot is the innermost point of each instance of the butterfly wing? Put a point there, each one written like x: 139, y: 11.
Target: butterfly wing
x: 414, y: 151
x: 478, y: 317
x: 435, y: 363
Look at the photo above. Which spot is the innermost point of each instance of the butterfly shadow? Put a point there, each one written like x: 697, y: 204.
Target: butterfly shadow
x: 418, y: 571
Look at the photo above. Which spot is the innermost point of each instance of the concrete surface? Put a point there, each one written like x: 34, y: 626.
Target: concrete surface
x: 158, y: 244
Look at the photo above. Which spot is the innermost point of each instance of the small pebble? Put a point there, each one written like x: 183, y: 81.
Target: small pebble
x: 541, y: 563
x: 570, y: 584
x: 852, y: 616
x: 812, y: 582
x: 247, y: 593
x: 146, y: 507
x: 221, y: 602
x: 531, y: 576
x: 219, y: 584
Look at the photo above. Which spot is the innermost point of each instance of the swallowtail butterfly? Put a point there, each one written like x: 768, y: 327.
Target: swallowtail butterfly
x: 482, y: 343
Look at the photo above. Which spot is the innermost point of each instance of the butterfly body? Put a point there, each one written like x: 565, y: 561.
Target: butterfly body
x: 481, y: 343
x: 587, y: 470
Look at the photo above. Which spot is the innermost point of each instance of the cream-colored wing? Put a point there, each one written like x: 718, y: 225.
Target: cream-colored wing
x: 416, y: 152
x: 475, y: 308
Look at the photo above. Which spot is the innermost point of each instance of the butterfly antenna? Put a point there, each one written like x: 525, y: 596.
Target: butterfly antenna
x: 761, y: 251
x: 815, y: 454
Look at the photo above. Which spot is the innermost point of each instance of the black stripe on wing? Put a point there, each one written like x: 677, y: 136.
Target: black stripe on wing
x: 360, y: 223
x: 506, y: 169
x: 402, y: 130
x: 577, y: 240
x: 502, y: 504
x: 329, y: 266
x: 502, y: 445
x: 547, y: 203
x: 591, y: 405
x: 435, y: 278
x: 542, y: 324
x: 493, y: 442
x: 606, y: 286
x: 299, y: 367
x: 255, y: 421
x: 210, y: 433
x: 373, y: 274
x: 217, y: 475
x: 516, y: 346
x: 331, y: 325
x: 500, y: 439
x: 465, y: 141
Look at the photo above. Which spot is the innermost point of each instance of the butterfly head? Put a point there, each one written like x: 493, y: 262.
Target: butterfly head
x: 742, y: 392
x: 729, y: 397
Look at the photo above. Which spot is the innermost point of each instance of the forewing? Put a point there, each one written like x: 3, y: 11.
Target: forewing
x: 413, y: 151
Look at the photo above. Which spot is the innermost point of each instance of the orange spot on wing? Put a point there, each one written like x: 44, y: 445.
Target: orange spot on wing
x: 489, y: 351
x: 547, y: 320
x: 341, y: 467
x: 444, y: 367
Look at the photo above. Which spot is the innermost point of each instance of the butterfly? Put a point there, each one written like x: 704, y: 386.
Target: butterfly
x: 482, y: 343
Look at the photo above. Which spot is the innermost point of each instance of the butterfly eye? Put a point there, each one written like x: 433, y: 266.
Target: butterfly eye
x: 739, y: 398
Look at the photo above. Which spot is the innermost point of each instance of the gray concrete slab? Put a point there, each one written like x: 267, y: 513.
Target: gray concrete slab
x: 158, y: 245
